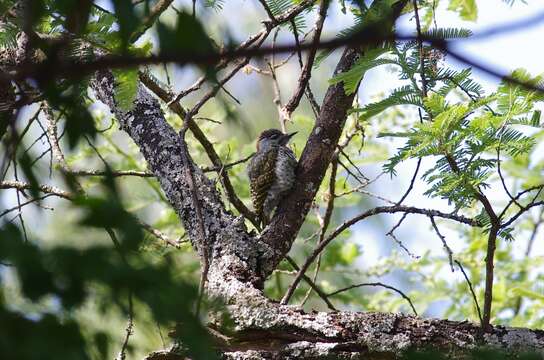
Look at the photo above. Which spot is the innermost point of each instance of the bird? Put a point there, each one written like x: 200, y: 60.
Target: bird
x: 271, y: 173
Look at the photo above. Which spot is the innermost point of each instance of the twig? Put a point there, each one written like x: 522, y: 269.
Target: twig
x: 117, y: 173
x: 19, y: 206
x: 19, y: 214
x: 201, y: 230
x: 227, y: 166
x: 521, y: 212
x: 363, y: 182
x: 156, y: 11
x: 74, y: 68
x: 471, y: 290
x: 268, y: 11
x: 159, y: 234
x: 537, y: 224
x: 501, y: 177
x: 276, y: 85
x: 517, y: 197
x: 377, y: 284
x: 421, y: 53
x: 391, y: 233
x: 291, y: 13
x: 491, y: 244
x: 416, y: 171
x: 444, y: 243
x: 305, y: 75
x: 129, y: 329
x: 47, y: 189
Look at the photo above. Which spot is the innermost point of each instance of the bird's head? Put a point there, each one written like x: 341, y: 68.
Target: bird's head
x: 273, y: 137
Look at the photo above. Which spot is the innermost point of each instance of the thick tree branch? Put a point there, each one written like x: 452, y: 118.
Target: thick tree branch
x: 282, y: 332
x: 167, y: 96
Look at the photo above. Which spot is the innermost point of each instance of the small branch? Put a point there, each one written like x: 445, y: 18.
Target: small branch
x: 166, y: 95
x: 500, y: 171
x: 189, y: 177
x: 159, y: 234
x: 227, y: 166
x: 538, y: 222
x: 444, y: 243
x: 363, y: 182
x: 47, y: 189
x: 491, y: 244
x: 276, y: 85
x: 156, y: 11
x: 306, y: 73
x: 416, y: 171
x: 268, y: 11
x: 129, y: 329
x: 353, y: 164
x: 117, y: 173
x: 289, y: 14
x: 421, y: 53
x: 471, y: 291
x: 19, y: 206
x: 391, y: 233
x: 517, y: 197
x: 377, y: 284
x: 521, y: 212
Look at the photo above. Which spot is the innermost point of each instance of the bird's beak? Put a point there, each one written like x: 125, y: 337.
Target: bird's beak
x: 285, y: 139
x: 292, y: 134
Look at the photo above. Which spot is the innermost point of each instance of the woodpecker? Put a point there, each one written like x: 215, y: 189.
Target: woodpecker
x: 271, y: 172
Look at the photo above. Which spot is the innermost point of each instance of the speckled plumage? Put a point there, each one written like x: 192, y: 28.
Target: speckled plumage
x: 271, y: 173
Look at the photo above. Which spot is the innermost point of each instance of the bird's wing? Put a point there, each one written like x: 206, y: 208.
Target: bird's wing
x: 290, y: 156
x: 262, y: 175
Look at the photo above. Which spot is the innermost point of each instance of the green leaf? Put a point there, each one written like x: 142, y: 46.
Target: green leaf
x: 126, y: 87
x: 535, y: 119
x: 401, y: 96
x: 369, y: 60
x: 467, y: 9
x: 278, y: 7
x: 435, y: 103
x: 447, y: 33
x: 8, y: 35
